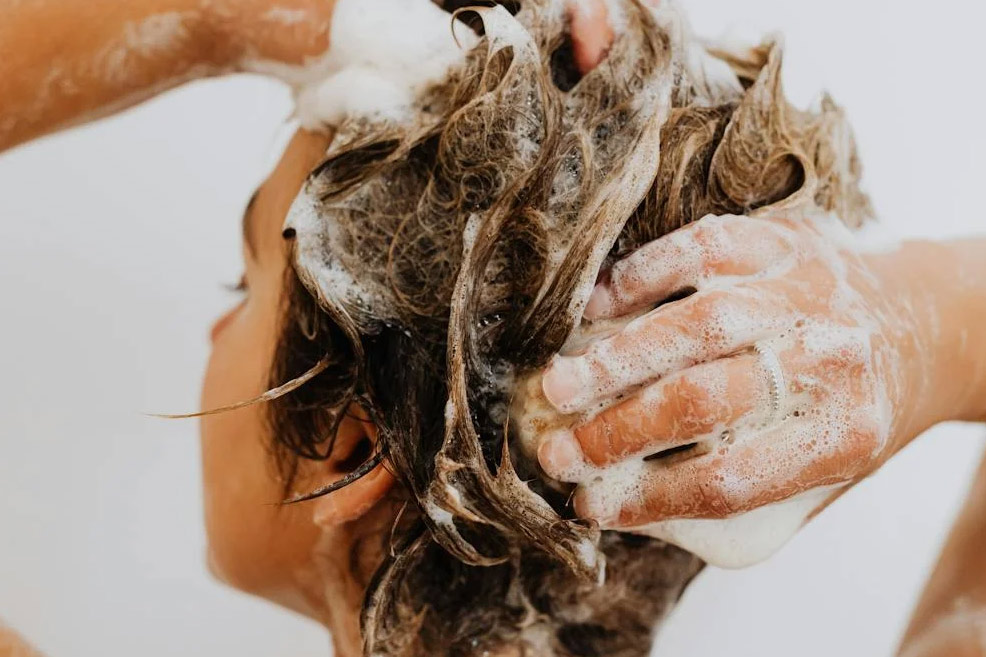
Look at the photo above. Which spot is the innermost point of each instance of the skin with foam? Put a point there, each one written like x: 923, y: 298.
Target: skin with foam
x: 842, y: 386
x: 383, y: 55
x: 950, y: 272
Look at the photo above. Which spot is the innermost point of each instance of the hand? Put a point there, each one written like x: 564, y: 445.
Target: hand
x: 797, y: 363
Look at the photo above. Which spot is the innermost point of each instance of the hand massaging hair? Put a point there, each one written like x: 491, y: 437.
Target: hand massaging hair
x: 435, y: 261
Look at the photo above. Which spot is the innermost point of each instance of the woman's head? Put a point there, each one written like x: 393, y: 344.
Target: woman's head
x: 256, y: 544
x: 433, y: 264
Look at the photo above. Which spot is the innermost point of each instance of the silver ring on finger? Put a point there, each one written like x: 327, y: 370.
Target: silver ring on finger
x: 771, y: 364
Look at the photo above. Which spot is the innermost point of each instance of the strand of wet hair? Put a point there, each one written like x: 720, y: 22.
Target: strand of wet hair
x: 364, y: 469
x: 270, y: 395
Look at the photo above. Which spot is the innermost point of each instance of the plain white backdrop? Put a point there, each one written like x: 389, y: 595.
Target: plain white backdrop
x: 116, y: 238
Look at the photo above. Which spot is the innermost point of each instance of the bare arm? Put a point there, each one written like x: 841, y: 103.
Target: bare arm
x: 950, y: 619
x: 943, y: 286
x: 12, y: 645
x: 64, y: 62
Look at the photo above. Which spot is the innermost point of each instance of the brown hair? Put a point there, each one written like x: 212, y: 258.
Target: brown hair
x: 442, y: 259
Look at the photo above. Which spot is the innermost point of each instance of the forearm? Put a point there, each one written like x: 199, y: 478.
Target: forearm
x: 954, y: 600
x: 12, y: 645
x: 939, y: 289
x: 960, y: 331
x: 66, y: 61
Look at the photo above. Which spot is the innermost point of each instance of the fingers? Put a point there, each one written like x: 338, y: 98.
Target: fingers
x: 702, y: 401
x: 774, y: 466
x: 704, y: 327
x: 591, y: 32
x: 712, y: 247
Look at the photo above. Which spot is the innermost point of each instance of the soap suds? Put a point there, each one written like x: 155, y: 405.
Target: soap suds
x: 330, y: 277
x: 745, y: 539
x: 286, y: 16
x: 144, y: 39
x: 383, y: 54
x: 479, y: 232
x: 840, y: 381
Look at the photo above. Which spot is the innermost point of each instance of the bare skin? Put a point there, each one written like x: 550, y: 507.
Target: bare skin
x: 927, y: 300
x: 12, y: 645
x: 950, y: 619
x: 896, y: 360
x: 62, y: 64
x: 65, y: 63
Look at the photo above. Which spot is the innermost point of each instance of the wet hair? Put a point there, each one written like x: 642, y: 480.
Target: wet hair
x: 439, y: 260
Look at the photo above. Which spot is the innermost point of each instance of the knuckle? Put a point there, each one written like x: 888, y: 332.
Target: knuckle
x: 781, y: 234
x: 717, y: 237
x: 833, y: 348
x: 627, y: 279
x: 706, y: 233
x: 715, y: 305
x: 851, y: 354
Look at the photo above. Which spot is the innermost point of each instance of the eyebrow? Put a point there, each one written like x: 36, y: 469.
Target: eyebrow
x: 248, y: 226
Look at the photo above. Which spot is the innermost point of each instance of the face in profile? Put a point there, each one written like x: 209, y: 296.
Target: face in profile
x: 256, y: 544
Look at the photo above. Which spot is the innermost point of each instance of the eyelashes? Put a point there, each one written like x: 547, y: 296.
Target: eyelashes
x: 239, y: 287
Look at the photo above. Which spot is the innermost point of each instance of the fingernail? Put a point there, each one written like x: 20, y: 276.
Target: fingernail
x: 600, y: 302
x: 560, y: 454
x: 560, y: 383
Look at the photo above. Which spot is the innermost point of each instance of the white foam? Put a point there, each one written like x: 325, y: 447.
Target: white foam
x: 153, y: 35
x: 742, y: 540
x: 710, y: 76
x: 313, y: 233
x: 382, y: 54
x: 842, y: 383
x: 286, y: 16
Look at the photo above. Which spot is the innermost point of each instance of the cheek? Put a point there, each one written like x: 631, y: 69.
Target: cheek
x: 236, y: 486
x: 249, y: 535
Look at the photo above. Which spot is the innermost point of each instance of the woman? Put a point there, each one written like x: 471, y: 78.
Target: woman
x: 286, y: 539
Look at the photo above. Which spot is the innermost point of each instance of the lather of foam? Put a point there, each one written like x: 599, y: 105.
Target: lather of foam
x: 383, y: 54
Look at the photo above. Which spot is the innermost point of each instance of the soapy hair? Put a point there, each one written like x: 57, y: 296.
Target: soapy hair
x: 440, y: 259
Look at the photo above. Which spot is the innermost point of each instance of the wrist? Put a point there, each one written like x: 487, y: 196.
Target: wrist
x: 962, y: 281
x: 940, y: 292
x: 248, y: 31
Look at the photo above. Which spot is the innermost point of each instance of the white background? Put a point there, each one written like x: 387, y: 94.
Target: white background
x: 115, y: 240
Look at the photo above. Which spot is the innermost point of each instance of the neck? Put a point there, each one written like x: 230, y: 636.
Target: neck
x: 344, y: 560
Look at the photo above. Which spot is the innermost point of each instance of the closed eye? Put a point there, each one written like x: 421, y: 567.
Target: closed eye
x: 239, y: 287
